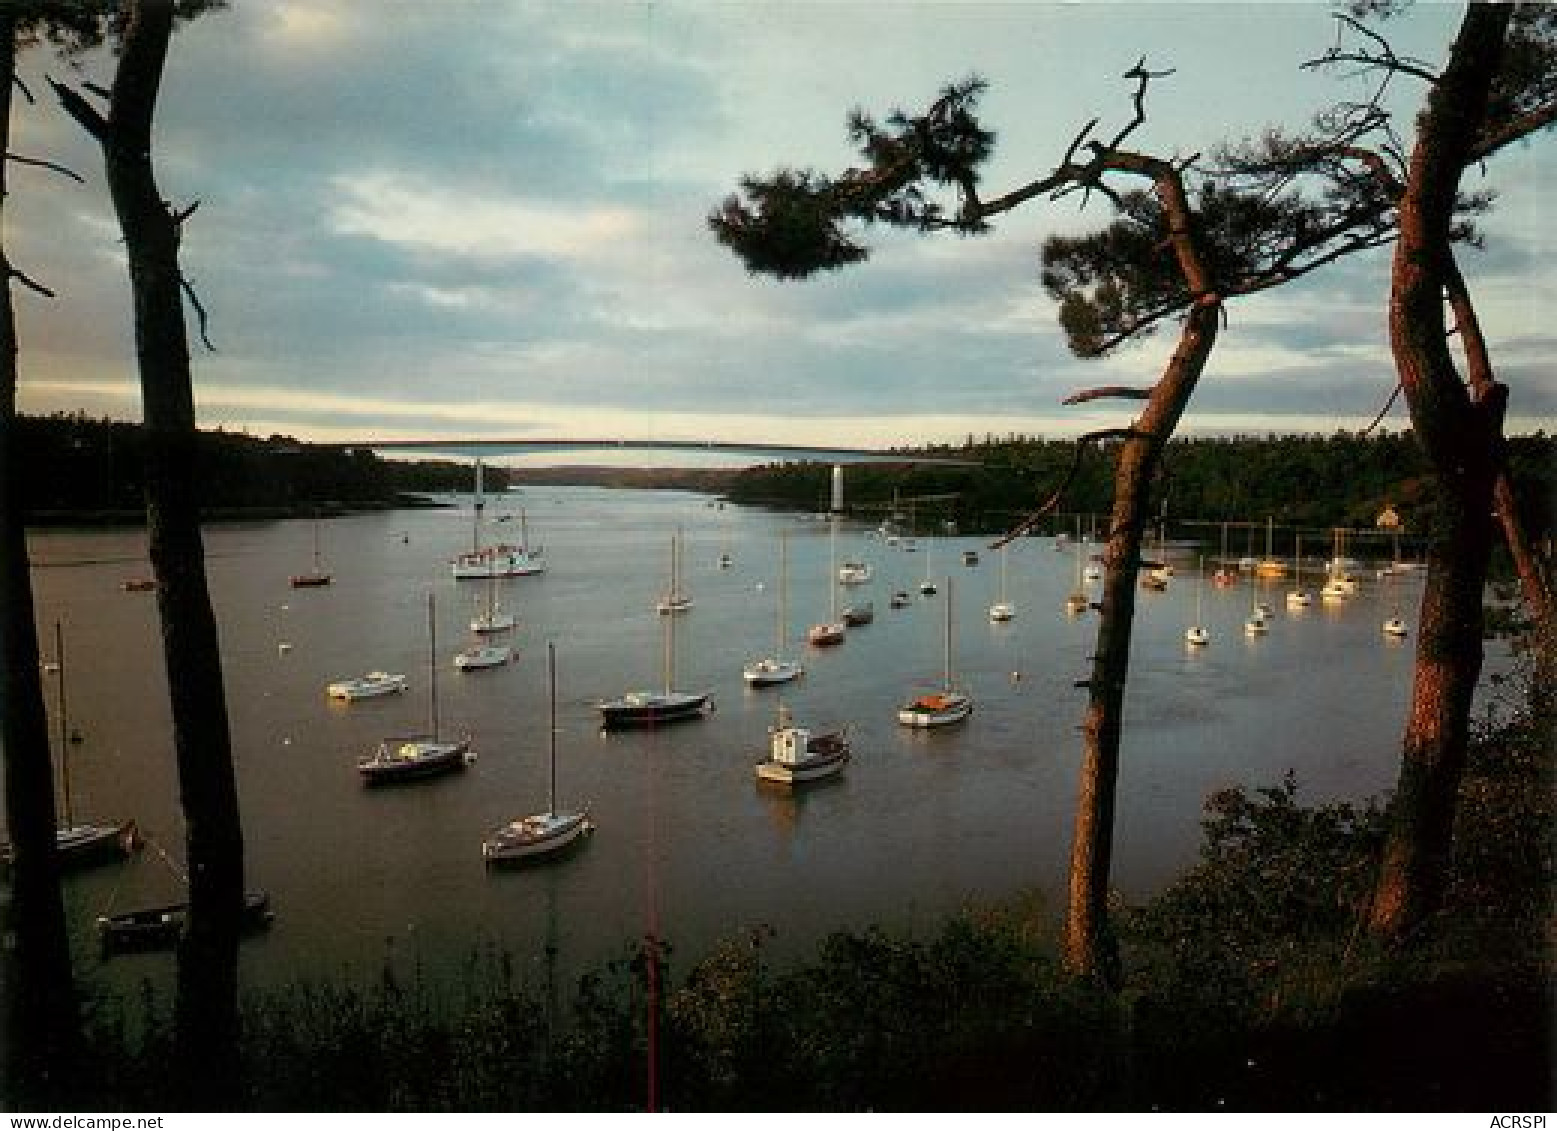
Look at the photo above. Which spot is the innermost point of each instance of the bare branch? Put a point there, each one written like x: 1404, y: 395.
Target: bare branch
x: 1121, y: 392
x: 31, y: 284
x: 194, y: 301
x: 53, y: 167
x: 22, y: 86
x: 1383, y: 412
x: 1054, y: 498
x: 80, y: 109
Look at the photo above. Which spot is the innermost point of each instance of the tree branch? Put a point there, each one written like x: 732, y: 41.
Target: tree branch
x: 194, y: 301
x: 85, y: 114
x: 1054, y: 498
x: 53, y: 167
x: 1121, y: 392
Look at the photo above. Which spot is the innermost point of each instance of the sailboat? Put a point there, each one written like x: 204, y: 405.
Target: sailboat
x: 540, y: 834
x: 651, y: 708
x: 1224, y: 577
x: 1340, y: 584
x: 315, y: 577
x: 87, y: 842
x: 832, y: 630
x: 1003, y: 609
x: 927, y: 586
x: 1076, y: 600
x: 1196, y: 635
x: 774, y: 669
x: 494, y: 618
x: 1270, y: 565
x: 797, y: 754
x: 675, y: 599
x: 939, y: 708
x: 1258, y: 623
x: 1298, y: 598
x: 418, y: 756
x: 502, y: 559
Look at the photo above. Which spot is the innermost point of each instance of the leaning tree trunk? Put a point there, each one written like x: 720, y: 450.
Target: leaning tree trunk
x: 1463, y: 441
x: 41, y: 1024
x: 1088, y: 945
x: 206, y: 1005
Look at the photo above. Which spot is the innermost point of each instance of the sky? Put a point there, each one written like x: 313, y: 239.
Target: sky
x: 485, y: 219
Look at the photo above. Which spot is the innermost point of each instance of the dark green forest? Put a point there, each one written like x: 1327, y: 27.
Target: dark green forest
x: 1307, y: 483
x: 79, y: 468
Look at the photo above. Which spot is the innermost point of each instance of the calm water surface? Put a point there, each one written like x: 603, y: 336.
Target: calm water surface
x: 688, y: 846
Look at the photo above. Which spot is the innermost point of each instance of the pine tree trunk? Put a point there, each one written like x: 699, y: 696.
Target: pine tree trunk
x: 208, y: 954
x: 41, y: 1026
x: 1089, y: 950
x: 1463, y: 441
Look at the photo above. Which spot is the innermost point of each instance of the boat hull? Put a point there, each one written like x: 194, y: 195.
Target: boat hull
x: 498, y: 561
x: 826, y: 756
x: 652, y: 708
x: 770, y: 673
x: 535, y: 838
x: 400, y: 760
x: 159, y: 928
x: 371, y: 686
x: 935, y: 710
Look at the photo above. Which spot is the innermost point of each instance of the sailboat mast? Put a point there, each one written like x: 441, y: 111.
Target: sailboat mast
x: 551, y: 696
x: 947, y: 662
x: 432, y: 664
x: 669, y: 639
x: 783, y: 601
x: 64, y: 727
x: 832, y: 570
x: 476, y: 509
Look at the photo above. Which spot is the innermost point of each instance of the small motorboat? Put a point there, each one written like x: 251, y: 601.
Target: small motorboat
x: 856, y: 615
x: 479, y: 656
x: 368, y: 686
x: 159, y: 928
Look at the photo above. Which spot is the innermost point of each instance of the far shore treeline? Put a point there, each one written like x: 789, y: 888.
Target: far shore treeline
x: 83, y: 470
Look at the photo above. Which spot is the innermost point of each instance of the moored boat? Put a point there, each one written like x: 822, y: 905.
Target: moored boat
x: 479, y: 656
x: 949, y: 704
x: 159, y: 928
x: 369, y: 686
x: 540, y: 834
x: 414, y: 757
x: 797, y: 754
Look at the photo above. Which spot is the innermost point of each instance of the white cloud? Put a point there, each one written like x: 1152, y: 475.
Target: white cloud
x: 464, y: 220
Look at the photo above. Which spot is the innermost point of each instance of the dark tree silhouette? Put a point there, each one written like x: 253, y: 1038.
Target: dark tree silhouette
x: 1177, y: 251
x: 208, y: 952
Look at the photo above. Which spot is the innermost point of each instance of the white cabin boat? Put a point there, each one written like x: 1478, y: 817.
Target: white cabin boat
x: 854, y: 573
x: 797, y: 755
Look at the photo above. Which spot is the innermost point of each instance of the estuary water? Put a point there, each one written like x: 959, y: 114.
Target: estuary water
x: 689, y: 847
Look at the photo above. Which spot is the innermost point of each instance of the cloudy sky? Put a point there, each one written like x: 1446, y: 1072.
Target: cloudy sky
x: 486, y: 218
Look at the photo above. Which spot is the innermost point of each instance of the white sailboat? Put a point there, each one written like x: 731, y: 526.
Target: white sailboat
x: 832, y: 630
x: 1395, y: 626
x: 1002, y: 610
x: 494, y: 618
x: 946, y: 706
x: 675, y: 599
x: 414, y: 757
x: 652, y: 708
x: 1298, y: 597
x: 481, y: 655
x: 927, y: 586
x: 370, y: 686
x: 502, y: 559
x: 1258, y: 622
x: 540, y: 834
x: 1196, y: 635
x: 1076, y: 601
x: 775, y: 669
